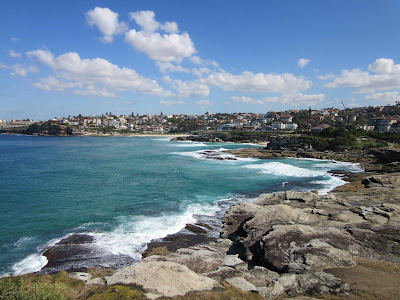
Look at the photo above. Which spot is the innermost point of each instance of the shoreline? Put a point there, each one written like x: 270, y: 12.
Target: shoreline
x: 336, y: 266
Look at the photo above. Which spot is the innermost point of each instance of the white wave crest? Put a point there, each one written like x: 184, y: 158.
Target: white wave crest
x: 189, y: 144
x: 217, y: 155
x: 31, y: 263
x: 285, y: 170
x: 332, y: 165
x: 132, y: 235
x: 328, y: 185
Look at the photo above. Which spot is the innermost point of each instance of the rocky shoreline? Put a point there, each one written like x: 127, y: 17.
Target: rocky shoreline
x: 343, y: 245
x: 286, y: 243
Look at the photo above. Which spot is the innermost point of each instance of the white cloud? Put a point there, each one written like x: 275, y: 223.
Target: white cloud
x: 87, y: 73
x: 19, y: 69
x: 14, y: 39
x: 171, y: 102
x: 53, y: 84
x: 14, y: 54
x: 42, y: 56
x: 92, y: 91
x: 196, y: 60
x: 303, y: 62
x: 188, y: 89
x: 384, y: 66
x: 386, y: 77
x: 166, y: 47
x: 200, y: 71
x: 244, y: 99
x: 203, y: 102
x: 326, y: 77
x: 160, y: 47
x: 106, y: 21
x: 145, y: 19
x: 166, y: 66
x: 170, y: 27
x: 297, y: 99
x: 249, y: 82
x: 387, y: 98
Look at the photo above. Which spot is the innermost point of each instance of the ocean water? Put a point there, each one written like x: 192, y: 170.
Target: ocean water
x: 127, y: 191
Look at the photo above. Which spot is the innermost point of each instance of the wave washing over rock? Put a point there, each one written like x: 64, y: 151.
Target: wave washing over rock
x: 284, y: 243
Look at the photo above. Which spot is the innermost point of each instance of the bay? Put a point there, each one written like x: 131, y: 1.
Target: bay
x: 126, y: 191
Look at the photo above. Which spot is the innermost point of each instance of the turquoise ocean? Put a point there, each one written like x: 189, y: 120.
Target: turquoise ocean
x: 127, y: 191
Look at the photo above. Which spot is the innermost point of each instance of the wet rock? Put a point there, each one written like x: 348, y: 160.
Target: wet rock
x: 195, y: 229
x: 77, y: 252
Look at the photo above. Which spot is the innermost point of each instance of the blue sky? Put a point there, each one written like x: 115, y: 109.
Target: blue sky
x: 91, y: 57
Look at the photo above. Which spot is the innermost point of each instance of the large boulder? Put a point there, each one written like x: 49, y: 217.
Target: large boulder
x: 162, y: 278
x: 298, y: 248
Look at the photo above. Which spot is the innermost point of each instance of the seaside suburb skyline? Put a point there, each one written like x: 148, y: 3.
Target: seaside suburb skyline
x: 65, y: 58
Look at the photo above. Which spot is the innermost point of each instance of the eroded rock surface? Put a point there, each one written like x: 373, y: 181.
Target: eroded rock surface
x: 282, y: 244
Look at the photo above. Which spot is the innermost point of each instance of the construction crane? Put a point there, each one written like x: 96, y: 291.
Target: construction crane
x: 343, y: 105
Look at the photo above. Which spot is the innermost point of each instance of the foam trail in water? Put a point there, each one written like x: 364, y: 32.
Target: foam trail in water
x: 281, y: 169
x: 190, y: 144
x: 215, y: 154
x: 330, y: 184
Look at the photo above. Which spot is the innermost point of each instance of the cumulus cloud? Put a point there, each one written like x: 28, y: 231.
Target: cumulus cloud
x: 160, y: 47
x: 188, y: 89
x: 92, y: 91
x: 170, y: 27
x: 166, y: 47
x: 166, y: 66
x: 200, y: 71
x: 91, y: 74
x: 171, y: 102
x: 383, y: 74
x: 14, y: 54
x: 243, y: 99
x: 19, y: 69
x: 145, y: 19
x: 303, y: 62
x: 296, y: 99
x: 106, y: 21
x: 387, y: 98
x: 53, y: 84
x: 250, y: 82
x: 203, y: 102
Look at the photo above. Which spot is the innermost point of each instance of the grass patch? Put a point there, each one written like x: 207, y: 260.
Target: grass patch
x: 229, y: 293
x: 115, y: 292
x: 47, y: 287
x: 370, y: 279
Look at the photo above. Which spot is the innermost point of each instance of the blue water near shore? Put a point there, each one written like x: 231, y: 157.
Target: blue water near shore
x: 126, y: 191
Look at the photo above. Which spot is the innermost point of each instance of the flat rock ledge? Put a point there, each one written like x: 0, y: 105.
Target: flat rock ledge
x: 282, y: 244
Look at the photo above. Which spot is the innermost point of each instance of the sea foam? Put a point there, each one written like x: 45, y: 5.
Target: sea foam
x: 283, y: 170
x: 132, y: 234
x: 31, y: 263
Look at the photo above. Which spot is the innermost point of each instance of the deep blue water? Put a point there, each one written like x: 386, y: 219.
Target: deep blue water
x: 126, y: 191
